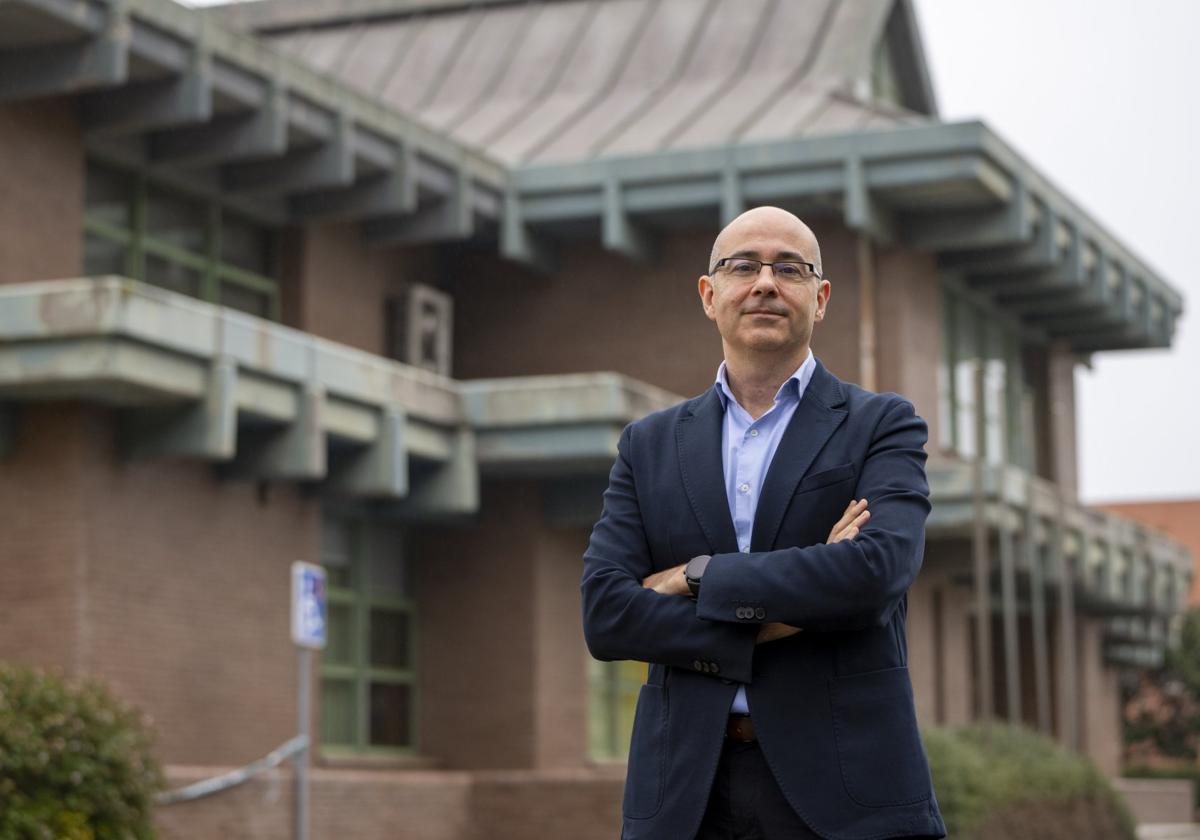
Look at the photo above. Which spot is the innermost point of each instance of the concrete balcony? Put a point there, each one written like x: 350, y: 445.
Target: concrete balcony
x: 268, y: 402
x: 1134, y: 578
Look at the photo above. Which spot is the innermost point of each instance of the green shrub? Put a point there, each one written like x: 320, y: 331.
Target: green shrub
x: 984, y: 774
x: 75, y: 762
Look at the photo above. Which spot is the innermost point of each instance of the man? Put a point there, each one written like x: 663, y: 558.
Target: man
x: 736, y: 555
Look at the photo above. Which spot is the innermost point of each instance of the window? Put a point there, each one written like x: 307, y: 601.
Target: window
x: 141, y: 229
x: 973, y: 334
x: 368, y: 667
x: 613, y: 689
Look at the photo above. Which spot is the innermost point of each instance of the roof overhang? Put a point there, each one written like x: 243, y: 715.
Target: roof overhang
x: 998, y: 227
x: 167, y: 89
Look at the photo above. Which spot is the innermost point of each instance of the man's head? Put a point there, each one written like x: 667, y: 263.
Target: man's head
x: 764, y: 312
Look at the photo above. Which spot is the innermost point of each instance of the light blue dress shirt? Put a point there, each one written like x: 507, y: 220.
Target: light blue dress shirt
x: 747, y: 447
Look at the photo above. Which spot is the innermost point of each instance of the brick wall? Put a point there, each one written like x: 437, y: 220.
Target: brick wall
x: 41, y: 185
x: 601, y: 311
x: 168, y: 582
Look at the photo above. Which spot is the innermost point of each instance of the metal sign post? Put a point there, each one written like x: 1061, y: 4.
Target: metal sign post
x: 309, y: 611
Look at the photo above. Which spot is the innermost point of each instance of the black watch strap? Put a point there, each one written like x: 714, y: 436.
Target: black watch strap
x: 693, y: 572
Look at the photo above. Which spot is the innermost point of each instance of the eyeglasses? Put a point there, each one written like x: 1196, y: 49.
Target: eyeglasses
x: 745, y: 269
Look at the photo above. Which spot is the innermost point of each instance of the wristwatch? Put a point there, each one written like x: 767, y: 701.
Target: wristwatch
x: 694, y: 571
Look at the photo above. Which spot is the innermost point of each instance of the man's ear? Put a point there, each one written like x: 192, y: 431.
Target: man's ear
x: 705, y: 286
x: 823, y: 293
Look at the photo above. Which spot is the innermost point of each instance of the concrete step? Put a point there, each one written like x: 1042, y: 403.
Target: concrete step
x: 1169, y: 831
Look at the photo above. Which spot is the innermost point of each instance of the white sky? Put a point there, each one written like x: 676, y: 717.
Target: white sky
x: 1102, y: 96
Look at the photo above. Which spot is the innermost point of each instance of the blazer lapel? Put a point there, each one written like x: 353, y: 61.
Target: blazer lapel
x: 698, y: 439
x: 815, y: 421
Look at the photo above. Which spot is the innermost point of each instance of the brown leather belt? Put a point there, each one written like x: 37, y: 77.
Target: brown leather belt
x: 740, y: 728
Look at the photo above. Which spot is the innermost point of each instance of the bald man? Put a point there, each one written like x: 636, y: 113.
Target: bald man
x: 756, y: 547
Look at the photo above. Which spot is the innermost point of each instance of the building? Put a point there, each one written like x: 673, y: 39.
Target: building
x: 1177, y: 518
x: 377, y: 285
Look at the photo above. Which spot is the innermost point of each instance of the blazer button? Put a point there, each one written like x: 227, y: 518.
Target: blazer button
x: 760, y: 613
x: 712, y: 668
x: 696, y: 665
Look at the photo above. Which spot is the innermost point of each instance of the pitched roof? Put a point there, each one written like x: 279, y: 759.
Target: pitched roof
x: 567, y: 80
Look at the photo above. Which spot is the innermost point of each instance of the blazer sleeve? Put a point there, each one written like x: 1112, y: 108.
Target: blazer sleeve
x: 622, y: 620
x: 852, y: 584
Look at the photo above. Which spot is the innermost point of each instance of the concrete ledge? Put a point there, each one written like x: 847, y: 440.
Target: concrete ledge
x: 1159, y: 801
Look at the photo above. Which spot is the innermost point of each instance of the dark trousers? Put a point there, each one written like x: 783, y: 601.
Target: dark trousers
x: 746, y: 803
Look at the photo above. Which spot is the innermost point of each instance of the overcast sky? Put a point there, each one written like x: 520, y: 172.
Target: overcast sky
x: 1102, y: 96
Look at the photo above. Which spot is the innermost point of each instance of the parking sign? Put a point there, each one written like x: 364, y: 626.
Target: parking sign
x: 308, y: 605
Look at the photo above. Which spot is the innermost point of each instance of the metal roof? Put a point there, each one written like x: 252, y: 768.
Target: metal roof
x: 569, y: 80
x: 174, y: 92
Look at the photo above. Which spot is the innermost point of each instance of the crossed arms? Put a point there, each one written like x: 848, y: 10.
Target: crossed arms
x: 851, y: 582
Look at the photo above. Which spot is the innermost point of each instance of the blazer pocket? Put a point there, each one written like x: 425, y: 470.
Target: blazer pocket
x: 647, y: 767
x: 826, y: 477
x: 879, y: 748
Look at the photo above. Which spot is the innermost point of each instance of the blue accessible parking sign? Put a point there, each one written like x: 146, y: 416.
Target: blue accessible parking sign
x: 308, y: 605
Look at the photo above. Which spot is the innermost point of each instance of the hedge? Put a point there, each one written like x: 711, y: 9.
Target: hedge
x: 1003, y: 781
x: 75, y: 762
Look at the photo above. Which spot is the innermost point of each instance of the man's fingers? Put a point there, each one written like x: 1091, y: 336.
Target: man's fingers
x: 852, y: 510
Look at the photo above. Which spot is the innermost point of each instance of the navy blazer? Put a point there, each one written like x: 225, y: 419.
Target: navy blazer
x: 832, y: 705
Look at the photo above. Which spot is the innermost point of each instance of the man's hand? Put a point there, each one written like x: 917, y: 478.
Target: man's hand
x: 668, y: 581
x: 852, y: 520
x: 672, y: 582
x: 846, y: 528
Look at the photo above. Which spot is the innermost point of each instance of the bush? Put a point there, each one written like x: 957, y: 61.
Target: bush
x: 1008, y: 781
x: 75, y: 762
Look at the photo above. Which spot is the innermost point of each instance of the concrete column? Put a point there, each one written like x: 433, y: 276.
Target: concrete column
x: 1068, y: 727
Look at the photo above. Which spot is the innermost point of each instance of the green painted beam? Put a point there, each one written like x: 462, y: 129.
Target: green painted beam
x: 451, y: 487
x: 520, y: 244
x: 8, y: 429
x: 621, y: 234
x: 206, y: 430
x: 260, y: 133
x: 297, y: 452
x: 159, y: 103
x: 393, y: 193
x: 329, y: 164
x: 101, y: 59
x: 451, y: 218
x: 380, y: 470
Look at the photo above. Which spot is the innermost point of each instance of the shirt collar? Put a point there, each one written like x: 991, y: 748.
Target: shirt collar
x: 794, y: 384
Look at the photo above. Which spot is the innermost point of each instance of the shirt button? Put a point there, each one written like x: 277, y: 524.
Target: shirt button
x: 745, y: 488
x: 754, y: 433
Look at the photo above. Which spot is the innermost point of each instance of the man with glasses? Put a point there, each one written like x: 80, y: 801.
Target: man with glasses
x: 737, y: 555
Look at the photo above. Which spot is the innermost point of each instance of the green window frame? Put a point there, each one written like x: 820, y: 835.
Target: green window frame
x: 369, y: 665
x: 972, y: 331
x: 613, y: 689
x: 140, y: 228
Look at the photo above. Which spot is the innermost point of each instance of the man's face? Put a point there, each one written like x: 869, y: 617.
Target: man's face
x: 765, y: 314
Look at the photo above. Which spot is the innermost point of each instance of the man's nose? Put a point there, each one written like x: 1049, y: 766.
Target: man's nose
x: 765, y: 282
